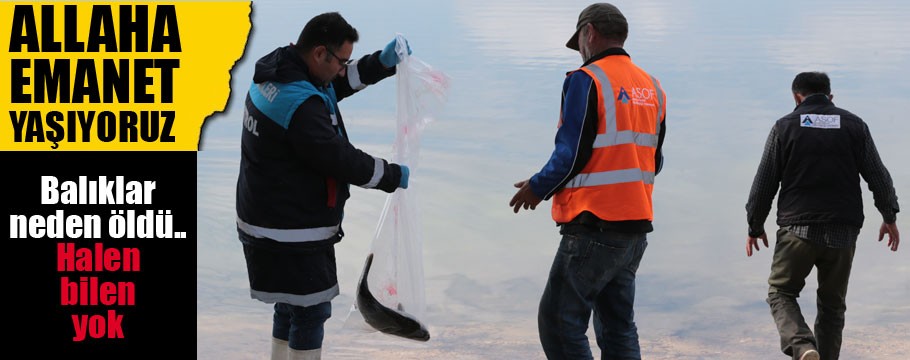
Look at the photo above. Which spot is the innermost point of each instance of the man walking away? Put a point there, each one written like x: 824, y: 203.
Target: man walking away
x: 816, y: 155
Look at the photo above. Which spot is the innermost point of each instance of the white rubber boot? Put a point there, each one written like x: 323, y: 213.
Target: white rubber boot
x: 280, y: 349
x: 315, y: 354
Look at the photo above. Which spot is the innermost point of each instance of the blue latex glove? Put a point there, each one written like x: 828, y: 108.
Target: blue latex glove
x: 405, y: 174
x: 388, y: 57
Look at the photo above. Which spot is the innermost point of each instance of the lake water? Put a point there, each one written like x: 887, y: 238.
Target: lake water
x: 726, y: 67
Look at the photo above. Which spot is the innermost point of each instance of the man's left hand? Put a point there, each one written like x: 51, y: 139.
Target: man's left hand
x: 894, y: 237
x: 389, y: 57
x: 752, y: 242
x: 524, y: 197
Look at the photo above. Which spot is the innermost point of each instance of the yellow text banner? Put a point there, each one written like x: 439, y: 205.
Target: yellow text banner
x: 116, y: 75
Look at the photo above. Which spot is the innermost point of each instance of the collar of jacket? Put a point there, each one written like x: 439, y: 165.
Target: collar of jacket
x: 813, y: 100
x: 297, y: 63
x: 605, y: 53
x: 282, y: 65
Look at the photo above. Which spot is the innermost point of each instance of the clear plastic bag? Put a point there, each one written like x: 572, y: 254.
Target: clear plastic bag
x: 390, y: 295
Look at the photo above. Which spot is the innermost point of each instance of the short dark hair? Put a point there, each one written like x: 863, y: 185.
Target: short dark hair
x: 328, y: 29
x: 813, y: 82
x: 612, y: 30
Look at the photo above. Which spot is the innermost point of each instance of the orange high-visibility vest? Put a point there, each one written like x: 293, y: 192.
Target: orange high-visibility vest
x: 617, y: 181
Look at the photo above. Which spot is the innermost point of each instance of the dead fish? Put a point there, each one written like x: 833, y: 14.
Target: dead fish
x: 384, y: 319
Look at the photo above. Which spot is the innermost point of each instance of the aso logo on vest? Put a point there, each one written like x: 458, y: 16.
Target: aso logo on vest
x: 639, y: 96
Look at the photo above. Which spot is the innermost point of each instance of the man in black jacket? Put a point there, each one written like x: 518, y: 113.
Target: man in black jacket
x: 296, y: 167
x: 816, y: 154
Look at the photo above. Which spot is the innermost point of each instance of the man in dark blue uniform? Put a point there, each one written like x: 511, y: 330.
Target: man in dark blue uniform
x: 816, y: 155
x: 296, y: 167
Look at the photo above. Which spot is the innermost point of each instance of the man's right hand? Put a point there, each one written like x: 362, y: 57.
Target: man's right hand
x: 524, y: 198
x: 894, y: 237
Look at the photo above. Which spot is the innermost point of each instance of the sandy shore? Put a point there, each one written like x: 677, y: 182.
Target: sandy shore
x: 245, y: 336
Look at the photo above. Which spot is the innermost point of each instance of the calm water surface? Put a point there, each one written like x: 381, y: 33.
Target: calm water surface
x: 726, y: 67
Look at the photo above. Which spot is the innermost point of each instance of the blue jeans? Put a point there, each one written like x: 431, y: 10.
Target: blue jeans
x: 592, y: 270
x: 302, y: 327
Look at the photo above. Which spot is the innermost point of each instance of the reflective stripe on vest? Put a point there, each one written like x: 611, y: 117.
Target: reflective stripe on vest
x: 660, y: 108
x: 611, y: 177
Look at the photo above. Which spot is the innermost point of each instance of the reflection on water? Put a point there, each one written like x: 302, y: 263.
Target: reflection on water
x: 726, y: 67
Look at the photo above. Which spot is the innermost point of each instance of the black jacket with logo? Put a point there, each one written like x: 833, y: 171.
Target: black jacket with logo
x: 296, y: 161
x: 821, y: 147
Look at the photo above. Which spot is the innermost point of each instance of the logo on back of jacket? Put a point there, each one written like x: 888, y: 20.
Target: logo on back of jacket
x: 637, y: 95
x: 820, y: 121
